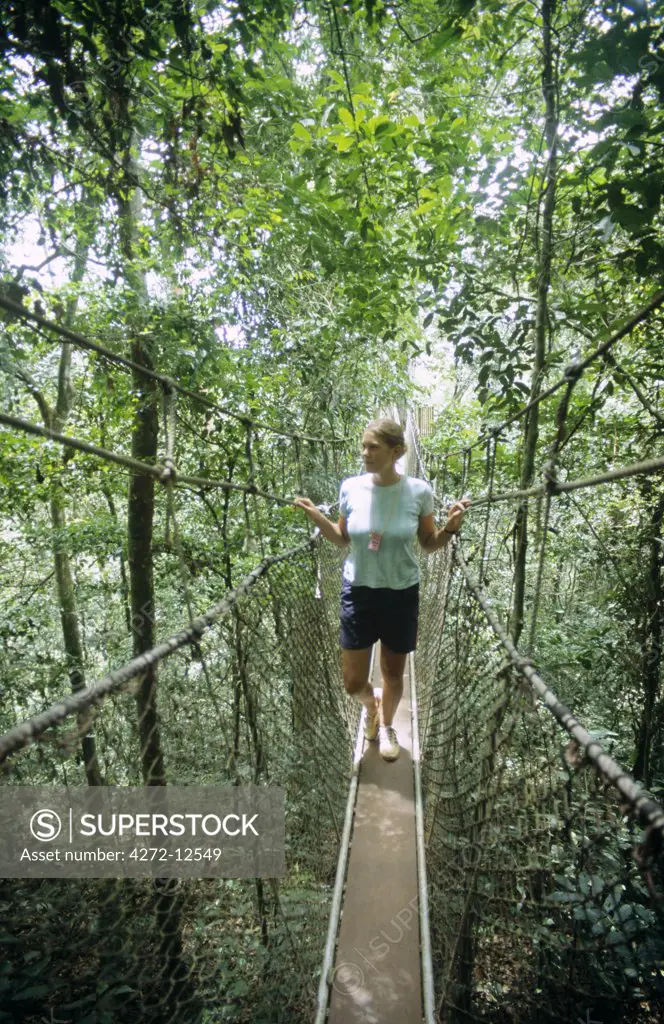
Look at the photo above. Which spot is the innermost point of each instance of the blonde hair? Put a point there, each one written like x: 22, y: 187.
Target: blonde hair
x: 388, y: 431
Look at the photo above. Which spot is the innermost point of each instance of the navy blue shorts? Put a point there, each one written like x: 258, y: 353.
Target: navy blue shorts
x: 369, y: 614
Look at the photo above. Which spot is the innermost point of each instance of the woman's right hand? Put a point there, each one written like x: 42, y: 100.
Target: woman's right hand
x: 307, y: 506
x: 331, y: 531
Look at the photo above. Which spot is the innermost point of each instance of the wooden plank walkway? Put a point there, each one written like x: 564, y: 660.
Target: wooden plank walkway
x: 377, y: 975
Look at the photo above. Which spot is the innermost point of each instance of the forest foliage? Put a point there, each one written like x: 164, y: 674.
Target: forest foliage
x: 283, y: 206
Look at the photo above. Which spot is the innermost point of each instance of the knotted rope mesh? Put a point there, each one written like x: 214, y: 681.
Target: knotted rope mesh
x: 544, y: 894
x: 248, y: 692
x: 545, y: 890
x: 272, y: 710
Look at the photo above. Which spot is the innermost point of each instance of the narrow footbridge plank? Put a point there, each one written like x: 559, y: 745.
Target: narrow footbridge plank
x: 377, y: 970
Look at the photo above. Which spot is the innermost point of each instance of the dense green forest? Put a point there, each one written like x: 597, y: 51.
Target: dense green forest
x: 231, y: 233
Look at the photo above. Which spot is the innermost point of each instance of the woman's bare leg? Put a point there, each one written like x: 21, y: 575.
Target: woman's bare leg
x: 356, y: 666
x: 392, y: 669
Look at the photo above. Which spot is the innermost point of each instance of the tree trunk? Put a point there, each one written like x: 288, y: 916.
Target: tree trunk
x: 141, y: 579
x: 140, y: 514
x: 56, y: 419
x: 171, y: 983
x: 108, y: 494
x: 124, y: 582
x: 531, y: 423
x: 71, y: 633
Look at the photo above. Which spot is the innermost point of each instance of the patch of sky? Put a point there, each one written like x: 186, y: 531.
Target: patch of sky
x: 217, y: 20
x: 231, y: 335
x: 28, y: 250
x: 152, y: 151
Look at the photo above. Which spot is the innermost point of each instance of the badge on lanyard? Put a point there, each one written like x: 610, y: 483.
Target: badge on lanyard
x: 374, y: 540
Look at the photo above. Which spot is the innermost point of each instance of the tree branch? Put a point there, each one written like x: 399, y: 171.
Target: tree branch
x: 413, y: 39
x: 645, y: 401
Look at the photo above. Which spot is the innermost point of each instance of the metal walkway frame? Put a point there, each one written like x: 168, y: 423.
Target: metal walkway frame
x: 355, y: 989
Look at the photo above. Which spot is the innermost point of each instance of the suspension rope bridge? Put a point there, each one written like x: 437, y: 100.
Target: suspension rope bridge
x: 538, y: 897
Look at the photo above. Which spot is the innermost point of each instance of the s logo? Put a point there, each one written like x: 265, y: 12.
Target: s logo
x: 45, y: 825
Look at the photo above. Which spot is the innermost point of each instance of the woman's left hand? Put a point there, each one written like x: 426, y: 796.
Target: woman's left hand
x: 455, y: 515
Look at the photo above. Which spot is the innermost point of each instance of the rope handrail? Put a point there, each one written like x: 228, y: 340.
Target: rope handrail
x: 243, y: 719
x: 578, y: 367
x: 163, y: 473
x: 529, y: 820
x: 562, y: 486
x: 73, y: 338
x: 649, y: 812
x: 28, y: 731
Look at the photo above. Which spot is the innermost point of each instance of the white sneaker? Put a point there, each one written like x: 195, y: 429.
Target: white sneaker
x: 388, y: 744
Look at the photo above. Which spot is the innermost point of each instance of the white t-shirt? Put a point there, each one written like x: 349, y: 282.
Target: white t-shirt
x: 394, y: 511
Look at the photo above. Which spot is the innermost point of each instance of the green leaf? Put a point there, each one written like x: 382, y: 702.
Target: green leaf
x: 336, y: 78
x: 426, y: 207
x: 632, y: 216
x: 344, y: 143
x: 347, y: 118
x: 300, y: 132
x: 374, y: 123
x: 32, y: 992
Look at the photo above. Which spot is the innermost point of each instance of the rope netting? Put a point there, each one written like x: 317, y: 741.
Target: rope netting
x: 545, y: 859
x: 246, y: 689
x: 270, y: 709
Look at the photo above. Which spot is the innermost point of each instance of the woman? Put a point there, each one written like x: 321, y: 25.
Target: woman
x: 381, y: 513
